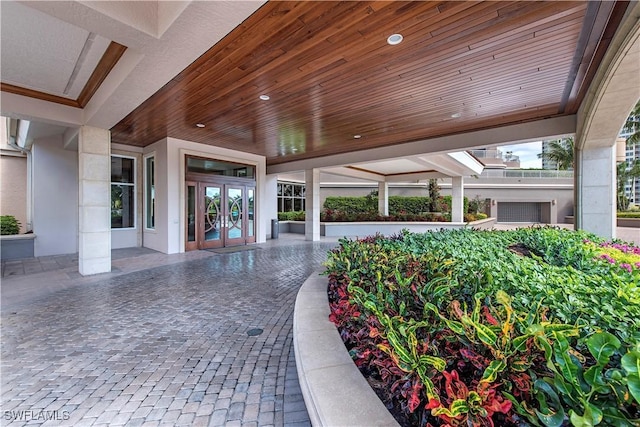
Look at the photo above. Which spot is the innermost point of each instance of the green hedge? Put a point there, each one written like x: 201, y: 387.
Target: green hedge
x: 365, y: 208
x: 339, y: 216
x: 352, y: 205
x: 414, y: 205
x: 628, y: 215
x: 410, y: 205
x: 291, y: 216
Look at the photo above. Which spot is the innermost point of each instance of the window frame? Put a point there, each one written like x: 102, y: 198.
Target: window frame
x: 145, y: 203
x: 128, y: 184
x: 289, y: 198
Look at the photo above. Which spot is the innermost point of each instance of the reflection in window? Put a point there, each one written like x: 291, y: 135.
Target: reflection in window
x: 218, y: 167
x: 122, y: 192
x: 150, y: 193
x: 250, y: 213
x: 290, y: 197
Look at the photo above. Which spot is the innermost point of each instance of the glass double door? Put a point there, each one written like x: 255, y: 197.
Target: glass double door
x: 219, y: 215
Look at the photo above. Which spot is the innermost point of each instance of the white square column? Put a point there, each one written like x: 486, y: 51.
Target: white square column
x: 312, y: 205
x: 383, y: 198
x: 595, y: 187
x: 457, y: 199
x: 94, y: 219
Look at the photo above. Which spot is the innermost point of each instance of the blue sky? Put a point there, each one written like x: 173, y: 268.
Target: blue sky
x: 527, y: 152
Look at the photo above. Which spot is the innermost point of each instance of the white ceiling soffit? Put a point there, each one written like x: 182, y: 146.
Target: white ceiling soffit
x: 423, y: 167
x: 43, y: 53
x: 152, y: 17
x: 161, y: 40
x: 402, y: 170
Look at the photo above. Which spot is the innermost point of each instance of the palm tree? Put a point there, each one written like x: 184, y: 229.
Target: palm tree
x: 560, y: 152
x: 626, y: 172
x: 633, y: 124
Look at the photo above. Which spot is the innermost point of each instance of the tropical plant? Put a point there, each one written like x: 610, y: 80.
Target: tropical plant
x: 9, y: 225
x: 477, y: 205
x: 626, y: 172
x: 633, y: 125
x: 474, y: 328
x: 561, y: 152
x: 434, y: 195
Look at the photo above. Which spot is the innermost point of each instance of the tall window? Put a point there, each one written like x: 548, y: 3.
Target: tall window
x: 123, y: 192
x: 290, y: 197
x: 150, y: 193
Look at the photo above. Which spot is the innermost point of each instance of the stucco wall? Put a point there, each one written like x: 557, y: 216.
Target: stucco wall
x: 13, y: 188
x: 270, y: 210
x: 55, y: 197
x: 156, y: 238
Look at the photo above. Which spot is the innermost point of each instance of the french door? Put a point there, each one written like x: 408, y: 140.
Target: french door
x: 219, y: 214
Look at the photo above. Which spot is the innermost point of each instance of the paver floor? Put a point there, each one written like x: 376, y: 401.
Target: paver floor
x: 163, y: 345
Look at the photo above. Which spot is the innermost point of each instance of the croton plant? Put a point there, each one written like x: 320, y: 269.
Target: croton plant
x: 537, y: 326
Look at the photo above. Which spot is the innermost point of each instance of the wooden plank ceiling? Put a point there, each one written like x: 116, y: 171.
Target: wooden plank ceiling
x: 331, y: 75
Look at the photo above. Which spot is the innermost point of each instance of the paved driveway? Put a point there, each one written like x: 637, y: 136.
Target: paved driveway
x: 166, y: 345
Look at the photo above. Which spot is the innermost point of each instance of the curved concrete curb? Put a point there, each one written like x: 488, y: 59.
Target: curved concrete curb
x: 334, y: 390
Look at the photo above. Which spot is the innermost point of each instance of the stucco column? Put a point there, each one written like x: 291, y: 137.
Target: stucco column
x: 312, y: 205
x: 383, y: 198
x: 595, y: 187
x: 457, y: 199
x: 94, y: 219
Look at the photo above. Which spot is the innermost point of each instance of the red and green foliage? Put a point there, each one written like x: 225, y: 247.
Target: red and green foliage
x: 471, y: 328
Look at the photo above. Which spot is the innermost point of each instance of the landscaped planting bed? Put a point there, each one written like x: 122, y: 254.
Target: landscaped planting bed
x: 536, y: 326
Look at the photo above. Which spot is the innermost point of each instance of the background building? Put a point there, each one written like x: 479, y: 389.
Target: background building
x: 632, y: 153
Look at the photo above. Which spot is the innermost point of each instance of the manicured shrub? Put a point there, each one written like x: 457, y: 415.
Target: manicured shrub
x: 329, y: 215
x: 9, y: 225
x: 479, y: 328
x: 352, y: 205
x: 398, y: 205
x: 628, y: 214
x: 408, y: 204
x: 291, y: 216
x: 445, y: 204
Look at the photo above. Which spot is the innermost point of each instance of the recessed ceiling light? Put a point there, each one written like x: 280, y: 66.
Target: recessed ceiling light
x: 456, y: 115
x: 264, y: 97
x: 357, y: 136
x: 200, y: 125
x: 394, y: 39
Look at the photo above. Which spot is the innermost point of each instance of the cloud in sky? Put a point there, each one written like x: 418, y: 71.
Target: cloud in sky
x: 528, y: 153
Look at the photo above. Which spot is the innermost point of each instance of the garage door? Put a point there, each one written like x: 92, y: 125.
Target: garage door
x: 519, y: 212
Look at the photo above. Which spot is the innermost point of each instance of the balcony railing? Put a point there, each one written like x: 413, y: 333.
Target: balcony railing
x: 526, y: 173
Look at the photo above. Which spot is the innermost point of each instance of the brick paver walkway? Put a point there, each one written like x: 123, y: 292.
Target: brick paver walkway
x: 166, y: 345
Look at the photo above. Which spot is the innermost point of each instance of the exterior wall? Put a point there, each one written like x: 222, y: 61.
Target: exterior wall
x: 170, y: 153
x: 156, y: 238
x: 270, y: 210
x: 13, y: 187
x: 131, y: 237
x: 55, y: 197
x: 557, y: 202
